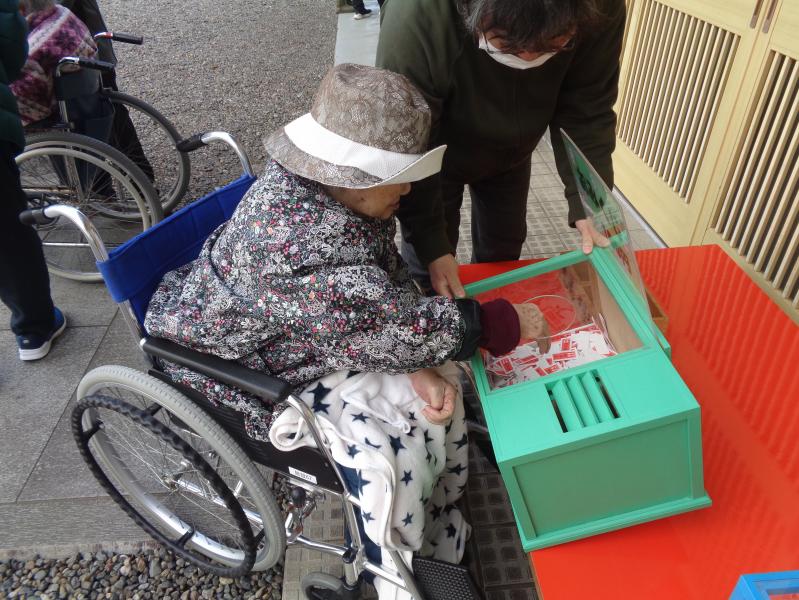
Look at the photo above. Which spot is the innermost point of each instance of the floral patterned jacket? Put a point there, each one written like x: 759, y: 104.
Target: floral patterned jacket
x: 297, y: 285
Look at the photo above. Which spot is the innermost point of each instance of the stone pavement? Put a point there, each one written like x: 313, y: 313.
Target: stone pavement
x: 49, y: 503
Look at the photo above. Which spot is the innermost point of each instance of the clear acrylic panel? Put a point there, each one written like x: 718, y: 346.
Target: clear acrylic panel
x: 585, y: 322
x: 607, y: 215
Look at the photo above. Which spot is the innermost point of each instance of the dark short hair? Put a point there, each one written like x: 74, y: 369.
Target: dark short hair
x: 530, y: 24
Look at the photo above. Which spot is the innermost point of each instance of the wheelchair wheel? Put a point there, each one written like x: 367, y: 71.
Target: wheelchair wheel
x: 152, y: 147
x: 198, y: 430
x: 67, y: 168
x: 153, y: 468
x: 321, y: 586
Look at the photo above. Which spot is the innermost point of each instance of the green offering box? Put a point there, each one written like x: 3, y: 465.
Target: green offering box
x: 598, y: 446
x: 601, y: 432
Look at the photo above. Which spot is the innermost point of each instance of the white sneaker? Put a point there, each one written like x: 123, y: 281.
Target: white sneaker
x: 358, y: 16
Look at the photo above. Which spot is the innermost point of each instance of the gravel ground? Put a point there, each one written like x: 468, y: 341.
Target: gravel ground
x: 153, y: 574
x: 242, y: 66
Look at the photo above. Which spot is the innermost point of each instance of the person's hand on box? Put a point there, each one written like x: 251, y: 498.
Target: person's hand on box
x: 444, y: 277
x: 533, y: 326
x: 591, y: 237
x: 438, y: 393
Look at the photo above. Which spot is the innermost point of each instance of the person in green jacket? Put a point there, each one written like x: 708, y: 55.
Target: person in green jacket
x: 24, y: 282
x: 497, y: 74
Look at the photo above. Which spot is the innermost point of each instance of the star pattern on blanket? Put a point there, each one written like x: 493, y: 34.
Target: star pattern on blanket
x: 436, y: 512
x: 406, y: 477
x: 431, y: 466
x: 362, y: 482
x: 359, y: 417
x: 457, y: 469
x: 368, y: 443
x: 396, y: 444
x: 319, y: 393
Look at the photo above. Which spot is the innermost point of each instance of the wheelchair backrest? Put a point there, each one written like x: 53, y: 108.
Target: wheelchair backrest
x: 77, y: 84
x: 134, y: 269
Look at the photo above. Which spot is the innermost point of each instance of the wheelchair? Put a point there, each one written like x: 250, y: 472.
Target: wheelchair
x: 66, y: 162
x: 185, y: 469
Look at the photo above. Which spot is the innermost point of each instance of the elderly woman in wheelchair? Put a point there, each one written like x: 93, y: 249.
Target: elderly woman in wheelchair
x: 297, y: 341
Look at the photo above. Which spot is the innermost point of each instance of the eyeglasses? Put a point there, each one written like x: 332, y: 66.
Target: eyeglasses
x: 565, y: 47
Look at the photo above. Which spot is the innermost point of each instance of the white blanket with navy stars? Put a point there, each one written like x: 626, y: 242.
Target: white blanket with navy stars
x: 410, y: 472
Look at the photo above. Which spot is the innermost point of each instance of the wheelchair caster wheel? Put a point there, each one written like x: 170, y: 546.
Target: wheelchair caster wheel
x: 321, y: 586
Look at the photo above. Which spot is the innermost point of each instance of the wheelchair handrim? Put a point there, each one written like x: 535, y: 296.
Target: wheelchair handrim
x: 252, y: 501
x: 122, y: 475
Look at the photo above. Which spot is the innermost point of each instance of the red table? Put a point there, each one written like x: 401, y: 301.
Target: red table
x: 739, y: 354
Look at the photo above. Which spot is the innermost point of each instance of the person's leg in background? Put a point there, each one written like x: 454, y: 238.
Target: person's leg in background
x: 24, y: 281
x: 452, y: 198
x: 499, y: 214
x: 361, y: 11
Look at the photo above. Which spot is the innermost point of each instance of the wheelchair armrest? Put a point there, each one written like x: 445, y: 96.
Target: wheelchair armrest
x: 225, y: 371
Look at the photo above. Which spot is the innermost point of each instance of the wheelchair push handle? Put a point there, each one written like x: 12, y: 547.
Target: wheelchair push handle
x: 34, y: 216
x: 203, y: 139
x: 116, y: 36
x: 190, y: 144
x: 84, y: 63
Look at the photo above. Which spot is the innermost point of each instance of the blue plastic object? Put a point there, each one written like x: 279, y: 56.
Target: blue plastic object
x: 767, y: 586
x: 134, y: 269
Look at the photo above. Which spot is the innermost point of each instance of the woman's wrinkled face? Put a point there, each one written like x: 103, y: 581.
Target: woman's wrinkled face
x: 379, y: 202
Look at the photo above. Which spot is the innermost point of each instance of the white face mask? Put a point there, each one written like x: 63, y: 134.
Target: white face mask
x: 509, y: 60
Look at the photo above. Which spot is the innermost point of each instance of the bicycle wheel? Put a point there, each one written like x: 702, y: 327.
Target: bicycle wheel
x: 205, y: 436
x: 146, y: 468
x: 66, y: 168
x: 151, y: 145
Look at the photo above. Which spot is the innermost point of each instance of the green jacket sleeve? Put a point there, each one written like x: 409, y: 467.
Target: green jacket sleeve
x: 585, y: 104
x: 13, y: 40
x: 407, y: 46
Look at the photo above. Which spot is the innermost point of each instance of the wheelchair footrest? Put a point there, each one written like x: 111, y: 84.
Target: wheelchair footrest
x: 441, y: 580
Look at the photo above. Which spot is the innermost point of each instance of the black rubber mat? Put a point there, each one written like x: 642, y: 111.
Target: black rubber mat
x: 494, y: 554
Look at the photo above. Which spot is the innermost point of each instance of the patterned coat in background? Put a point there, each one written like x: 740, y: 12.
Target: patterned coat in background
x: 53, y: 34
x: 297, y: 285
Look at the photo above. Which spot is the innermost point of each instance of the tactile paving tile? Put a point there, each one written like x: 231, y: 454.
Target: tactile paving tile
x: 478, y: 463
x: 495, y: 557
x: 326, y: 522
x: 488, y: 503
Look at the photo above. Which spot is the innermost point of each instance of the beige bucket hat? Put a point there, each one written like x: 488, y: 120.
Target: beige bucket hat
x: 367, y: 127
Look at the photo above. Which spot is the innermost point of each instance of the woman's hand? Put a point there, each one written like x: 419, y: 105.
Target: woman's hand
x: 438, y: 393
x: 444, y: 277
x: 590, y: 236
x: 533, y: 325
